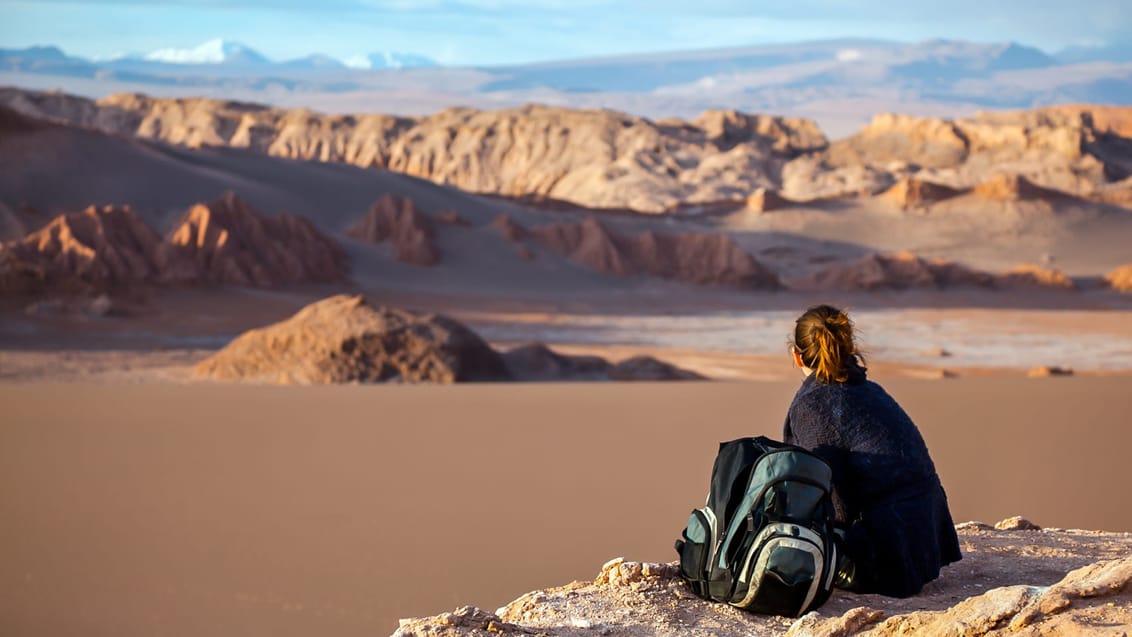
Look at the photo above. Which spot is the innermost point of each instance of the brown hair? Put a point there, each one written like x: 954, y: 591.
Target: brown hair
x: 823, y: 336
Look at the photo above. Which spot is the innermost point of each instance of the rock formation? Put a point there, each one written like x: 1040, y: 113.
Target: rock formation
x: 706, y: 259
x: 509, y: 229
x: 592, y: 158
x: 343, y: 339
x: 225, y: 242
x: 229, y: 242
x: 587, y: 242
x: 396, y: 219
x: 910, y: 193
x: 1015, y: 188
x: 1120, y: 279
x: 537, y: 362
x: 898, y: 271
x: 904, y: 270
x: 649, y: 368
x: 601, y: 159
x: 98, y: 248
x: 1030, y: 276
x: 1047, y: 371
x: 1010, y: 582
x: 1067, y: 151
x: 766, y: 200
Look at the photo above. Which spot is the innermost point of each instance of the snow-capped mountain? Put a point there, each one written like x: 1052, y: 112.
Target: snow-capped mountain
x: 216, y: 51
x: 389, y: 60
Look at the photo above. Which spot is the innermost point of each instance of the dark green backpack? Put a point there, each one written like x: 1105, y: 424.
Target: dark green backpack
x: 764, y: 539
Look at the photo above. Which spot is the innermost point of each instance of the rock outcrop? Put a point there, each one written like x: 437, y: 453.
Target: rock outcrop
x: 1047, y: 371
x: 1063, y: 151
x: 1019, y: 581
x: 898, y: 271
x: 606, y: 160
x: 537, y: 362
x: 224, y: 242
x: 912, y: 193
x: 767, y: 200
x: 509, y: 229
x: 591, y: 158
x: 98, y: 248
x: 396, y: 219
x: 905, y: 270
x: 700, y: 258
x: 1015, y: 188
x: 1030, y: 276
x: 343, y: 339
x: 229, y: 242
x: 1120, y: 279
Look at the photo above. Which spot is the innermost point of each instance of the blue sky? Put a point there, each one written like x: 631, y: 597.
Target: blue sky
x: 513, y: 31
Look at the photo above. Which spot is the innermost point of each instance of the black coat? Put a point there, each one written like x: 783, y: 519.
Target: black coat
x: 886, y: 491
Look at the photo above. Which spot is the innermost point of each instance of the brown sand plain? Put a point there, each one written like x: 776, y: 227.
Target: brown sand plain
x: 189, y: 509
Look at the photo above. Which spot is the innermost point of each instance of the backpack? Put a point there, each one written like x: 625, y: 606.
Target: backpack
x: 764, y: 540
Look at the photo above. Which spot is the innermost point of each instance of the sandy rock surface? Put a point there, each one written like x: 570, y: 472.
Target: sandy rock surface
x: 1010, y: 582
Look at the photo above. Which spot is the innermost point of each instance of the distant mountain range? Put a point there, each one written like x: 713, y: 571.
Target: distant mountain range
x: 214, y: 53
x: 840, y: 82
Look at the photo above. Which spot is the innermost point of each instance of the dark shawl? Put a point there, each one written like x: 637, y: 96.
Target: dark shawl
x: 886, y: 492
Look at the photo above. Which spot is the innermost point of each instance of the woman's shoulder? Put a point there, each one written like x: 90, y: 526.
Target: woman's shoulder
x: 815, y: 395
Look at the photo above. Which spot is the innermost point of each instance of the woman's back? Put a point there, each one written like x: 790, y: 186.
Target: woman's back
x: 864, y: 433
x: 887, y: 495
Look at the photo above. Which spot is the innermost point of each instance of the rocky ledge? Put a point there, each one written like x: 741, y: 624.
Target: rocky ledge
x: 1015, y: 579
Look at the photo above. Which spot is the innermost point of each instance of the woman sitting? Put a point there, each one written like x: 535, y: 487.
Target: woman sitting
x: 888, y: 499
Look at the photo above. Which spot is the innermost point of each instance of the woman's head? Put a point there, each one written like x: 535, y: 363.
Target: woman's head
x: 824, y: 343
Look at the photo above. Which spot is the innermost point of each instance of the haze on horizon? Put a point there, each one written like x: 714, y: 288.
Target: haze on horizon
x: 499, y: 32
